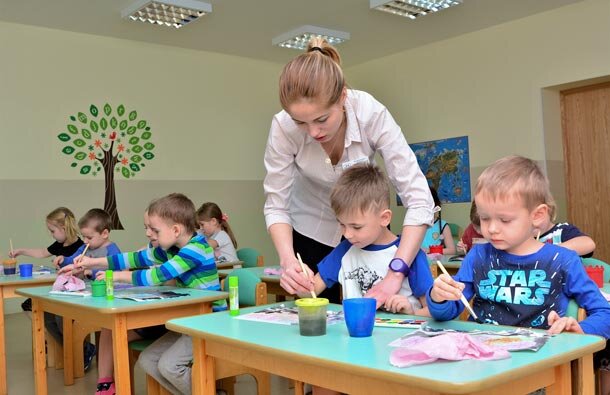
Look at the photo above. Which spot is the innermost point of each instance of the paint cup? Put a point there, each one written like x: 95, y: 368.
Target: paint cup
x: 437, y: 249
x: 596, y: 273
x: 360, y: 316
x: 312, y: 316
x: 25, y: 269
x: 10, y: 265
x: 98, y: 288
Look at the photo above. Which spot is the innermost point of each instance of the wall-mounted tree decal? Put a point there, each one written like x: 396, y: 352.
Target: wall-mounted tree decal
x: 90, y: 143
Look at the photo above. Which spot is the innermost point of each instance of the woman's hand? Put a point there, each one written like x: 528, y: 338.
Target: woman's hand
x: 386, y: 288
x: 293, y: 279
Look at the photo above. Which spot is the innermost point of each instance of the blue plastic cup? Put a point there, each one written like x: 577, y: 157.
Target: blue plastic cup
x: 25, y: 269
x: 360, y: 316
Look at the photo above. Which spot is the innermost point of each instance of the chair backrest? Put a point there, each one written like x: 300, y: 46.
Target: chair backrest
x: 252, y: 291
x: 250, y: 257
x: 597, y: 262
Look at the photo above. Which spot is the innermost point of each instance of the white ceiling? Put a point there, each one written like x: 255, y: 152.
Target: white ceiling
x: 246, y: 27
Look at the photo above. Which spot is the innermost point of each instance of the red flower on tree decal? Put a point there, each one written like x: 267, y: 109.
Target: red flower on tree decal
x: 120, y: 148
x: 92, y: 156
x: 124, y: 161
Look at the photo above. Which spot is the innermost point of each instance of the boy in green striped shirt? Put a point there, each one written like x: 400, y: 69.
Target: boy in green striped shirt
x: 182, y: 255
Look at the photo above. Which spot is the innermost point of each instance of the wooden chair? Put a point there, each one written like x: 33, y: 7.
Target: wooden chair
x: 250, y: 257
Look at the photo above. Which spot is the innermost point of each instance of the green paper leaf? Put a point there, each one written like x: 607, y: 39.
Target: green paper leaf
x: 85, y: 169
x: 148, y: 155
x: 94, y: 126
x: 93, y: 110
x: 73, y: 164
x: 136, y: 158
x: 134, y: 140
x: 86, y: 134
x: 80, y: 156
x: 146, y: 135
x: 134, y: 167
x: 82, y: 117
x: 63, y: 137
x: 103, y: 123
x: 68, y: 150
x: 133, y: 115
x: 123, y: 124
x: 72, y: 118
x: 125, y: 172
x: 107, y: 109
x: 137, y: 149
x: 120, y: 110
x: 79, y: 142
x: 149, y: 146
x: 131, y: 130
x: 142, y: 124
x: 72, y: 129
x: 113, y: 123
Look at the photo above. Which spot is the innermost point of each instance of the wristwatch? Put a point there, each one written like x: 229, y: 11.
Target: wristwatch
x: 398, y: 265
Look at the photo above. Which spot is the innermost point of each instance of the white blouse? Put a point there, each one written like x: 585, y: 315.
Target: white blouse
x: 300, y: 175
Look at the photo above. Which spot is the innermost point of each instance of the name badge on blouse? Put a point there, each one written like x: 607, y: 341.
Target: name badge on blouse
x: 350, y: 163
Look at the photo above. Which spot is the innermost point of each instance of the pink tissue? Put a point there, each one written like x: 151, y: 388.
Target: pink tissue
x: 68, y: 283
x: 451, y: 346
x: 272, y: 271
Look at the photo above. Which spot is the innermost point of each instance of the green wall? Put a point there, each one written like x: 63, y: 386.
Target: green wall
x: 489, y: 85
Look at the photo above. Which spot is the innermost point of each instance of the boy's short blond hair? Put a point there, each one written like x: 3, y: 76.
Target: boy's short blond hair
x: 176, y: 208
x: 96, y: 219
x: 361, y: 187
x: 516, y: 176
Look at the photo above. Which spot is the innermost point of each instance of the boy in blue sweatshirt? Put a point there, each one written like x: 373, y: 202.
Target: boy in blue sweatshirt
x: 515, y: 279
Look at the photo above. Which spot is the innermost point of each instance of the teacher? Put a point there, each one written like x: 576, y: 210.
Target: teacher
x: 324, y: 129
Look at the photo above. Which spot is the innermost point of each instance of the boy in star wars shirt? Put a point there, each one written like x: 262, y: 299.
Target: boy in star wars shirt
x: 515, y: 279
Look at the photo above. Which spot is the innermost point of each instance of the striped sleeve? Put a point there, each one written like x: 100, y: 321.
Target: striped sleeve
x: 135, y: 260
x: 189, y: 265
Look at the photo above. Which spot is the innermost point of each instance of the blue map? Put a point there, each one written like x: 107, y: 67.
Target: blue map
x: 446, y: 165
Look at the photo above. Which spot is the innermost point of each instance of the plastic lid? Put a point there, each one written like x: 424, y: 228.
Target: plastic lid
x: 233, y: 281
x: 311, y: 302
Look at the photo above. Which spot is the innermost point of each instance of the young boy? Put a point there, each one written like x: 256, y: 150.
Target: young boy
x: 361, y: 201
x: 515, y: 279
x: 95, y: 228
x: 183, y: 255
x: 565, y: 235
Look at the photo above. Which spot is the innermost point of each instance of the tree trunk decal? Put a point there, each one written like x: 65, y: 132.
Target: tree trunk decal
x: 90, y: 143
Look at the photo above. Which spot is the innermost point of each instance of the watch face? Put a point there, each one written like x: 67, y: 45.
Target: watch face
x: 396, y: 264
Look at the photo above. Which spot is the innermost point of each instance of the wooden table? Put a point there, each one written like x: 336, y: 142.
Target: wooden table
x: 119, y: 315
x: 361, y: 365
x: 229, y: 265
x: 8, y: 285
x: 272, y: 280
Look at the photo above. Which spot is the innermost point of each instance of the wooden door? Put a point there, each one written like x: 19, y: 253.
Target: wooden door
x: 585, y: 117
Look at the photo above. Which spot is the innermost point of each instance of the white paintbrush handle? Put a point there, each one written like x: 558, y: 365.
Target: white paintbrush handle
x: 462, y: 297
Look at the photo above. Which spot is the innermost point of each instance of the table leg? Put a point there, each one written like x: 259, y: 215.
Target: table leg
x: 563, y: 381
x: 583, y: 376
x: 121, y: 355
x: 68, y: 356
x: 3, y: 383
x: 40, y: 365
